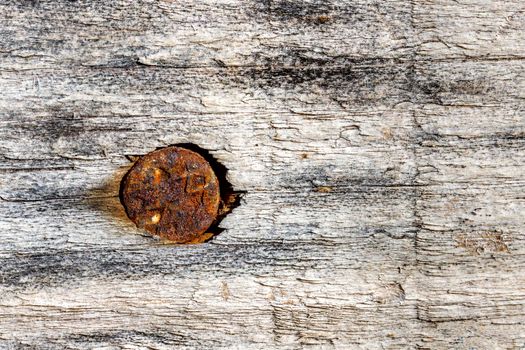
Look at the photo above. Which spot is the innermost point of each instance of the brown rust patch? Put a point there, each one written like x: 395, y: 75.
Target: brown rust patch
x: 324, y: 189
x: 323, y: 19
x: 483, y: 242
x: 172, y: 193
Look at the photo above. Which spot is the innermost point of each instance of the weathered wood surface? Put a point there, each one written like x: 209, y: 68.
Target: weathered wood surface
x: 381, y: 145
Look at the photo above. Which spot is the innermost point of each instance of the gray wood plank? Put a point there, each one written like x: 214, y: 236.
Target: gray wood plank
x: 379, y: 143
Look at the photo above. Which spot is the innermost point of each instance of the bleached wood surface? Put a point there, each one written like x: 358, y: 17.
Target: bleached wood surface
x: 381, y: 145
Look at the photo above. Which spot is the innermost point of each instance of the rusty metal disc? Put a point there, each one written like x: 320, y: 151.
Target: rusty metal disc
x: 172, y: 193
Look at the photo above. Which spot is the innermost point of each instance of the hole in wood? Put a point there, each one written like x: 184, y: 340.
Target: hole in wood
x: 179, y: 193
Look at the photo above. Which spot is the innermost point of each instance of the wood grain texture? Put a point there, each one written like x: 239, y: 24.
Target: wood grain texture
x: 381, y: 146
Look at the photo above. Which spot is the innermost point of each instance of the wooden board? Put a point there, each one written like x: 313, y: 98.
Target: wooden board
x: 381, y: 146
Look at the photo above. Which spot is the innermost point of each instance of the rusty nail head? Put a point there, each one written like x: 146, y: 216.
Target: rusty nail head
x: 172, y: 193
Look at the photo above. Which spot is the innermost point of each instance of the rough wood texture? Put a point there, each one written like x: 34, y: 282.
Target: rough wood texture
x: 381, y: 145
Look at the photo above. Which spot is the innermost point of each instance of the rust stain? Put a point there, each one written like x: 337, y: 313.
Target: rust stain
x: 324, y: 19
x: 324, y: 189
x: 225, y: 291
x: 483, y: 242
x: 172, y: 193
x: 387, y: 133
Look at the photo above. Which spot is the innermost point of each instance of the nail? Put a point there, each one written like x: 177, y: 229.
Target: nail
x: 172, y: 193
